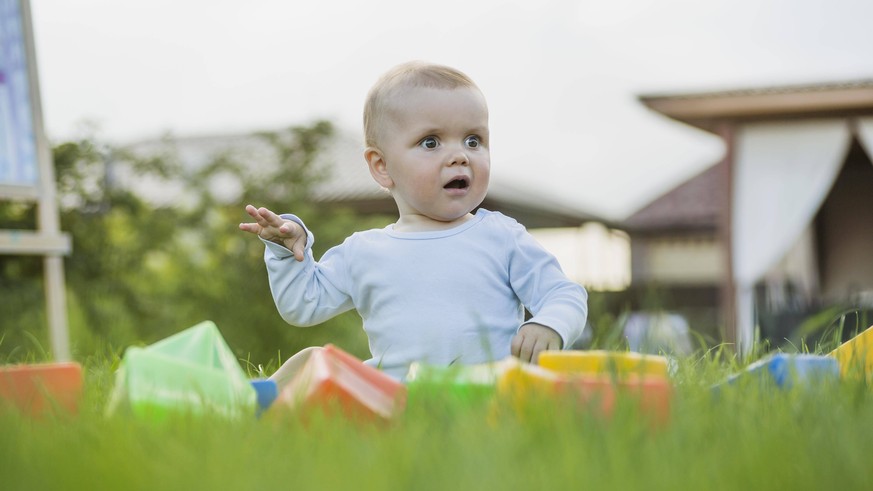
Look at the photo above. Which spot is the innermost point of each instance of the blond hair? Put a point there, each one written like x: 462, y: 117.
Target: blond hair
x: 410, y: 74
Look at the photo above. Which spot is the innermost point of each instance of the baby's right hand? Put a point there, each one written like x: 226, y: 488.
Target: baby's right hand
x: 272, y: 227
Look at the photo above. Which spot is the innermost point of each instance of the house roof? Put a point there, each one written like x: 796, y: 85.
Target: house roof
x: 349, y: 182
x: 706, y: 110
x: 694, y: 205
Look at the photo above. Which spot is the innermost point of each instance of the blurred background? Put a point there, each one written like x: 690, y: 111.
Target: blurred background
x: 702, y: 167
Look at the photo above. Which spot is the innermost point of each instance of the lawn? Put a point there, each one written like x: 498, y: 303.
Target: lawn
x: 743, y: 436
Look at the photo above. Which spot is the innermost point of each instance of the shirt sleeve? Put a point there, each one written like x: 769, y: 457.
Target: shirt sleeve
x: 307, y: 292
x: 553, y: 299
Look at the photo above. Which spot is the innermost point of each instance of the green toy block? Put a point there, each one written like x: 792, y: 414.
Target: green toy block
x: 193, y: 371
x: 467, y: 384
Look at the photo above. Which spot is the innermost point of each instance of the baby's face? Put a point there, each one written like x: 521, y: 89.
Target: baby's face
x: 436, y: 148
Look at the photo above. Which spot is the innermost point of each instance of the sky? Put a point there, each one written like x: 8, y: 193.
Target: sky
x: 562, y: 78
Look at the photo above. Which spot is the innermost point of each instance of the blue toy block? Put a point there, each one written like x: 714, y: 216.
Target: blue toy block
x: 786, y: 370
x: 267, y: 392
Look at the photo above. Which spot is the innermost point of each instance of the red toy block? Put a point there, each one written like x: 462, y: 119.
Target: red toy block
x: 41, y: 388
x: 333, y: 379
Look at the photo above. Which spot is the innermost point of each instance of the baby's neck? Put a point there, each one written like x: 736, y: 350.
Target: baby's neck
x: 421, y: 223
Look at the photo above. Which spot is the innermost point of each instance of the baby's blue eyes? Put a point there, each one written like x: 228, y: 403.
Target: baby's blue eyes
x: 431, y: 142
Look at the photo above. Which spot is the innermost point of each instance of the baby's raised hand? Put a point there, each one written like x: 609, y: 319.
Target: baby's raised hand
x: 272, y: 227
x: 532, y: 339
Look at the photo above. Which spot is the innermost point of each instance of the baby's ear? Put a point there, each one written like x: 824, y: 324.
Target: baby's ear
x: 378, y: 167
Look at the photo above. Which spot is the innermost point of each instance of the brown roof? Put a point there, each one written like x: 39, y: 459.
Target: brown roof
x: 694, y: 205
x: 706, y: 109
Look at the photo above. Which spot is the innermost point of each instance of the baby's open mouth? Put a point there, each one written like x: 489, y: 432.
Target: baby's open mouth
x: 457, y: 184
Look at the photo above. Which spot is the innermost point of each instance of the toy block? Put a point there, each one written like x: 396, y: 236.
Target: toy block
x: 789, y: 370
x: 266, y: 391
x: 40, y: 389
x: 466, y: 383
x: 331, y: 380
x: 620, y: 363
x: 651, y: 393
x: 855, y: 356
x: 292, y: 366
x: 193, y: 371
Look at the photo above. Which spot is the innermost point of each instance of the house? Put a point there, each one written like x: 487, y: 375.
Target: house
x: 676, y: 251
x: 788, y: 211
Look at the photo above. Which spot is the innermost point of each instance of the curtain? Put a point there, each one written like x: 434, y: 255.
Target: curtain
x: 782, y: 174
x: 865, y: 134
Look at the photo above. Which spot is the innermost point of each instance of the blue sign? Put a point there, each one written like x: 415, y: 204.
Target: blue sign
x: 18, y: 160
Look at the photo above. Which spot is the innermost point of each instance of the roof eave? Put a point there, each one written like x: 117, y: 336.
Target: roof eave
x: 708, y: 110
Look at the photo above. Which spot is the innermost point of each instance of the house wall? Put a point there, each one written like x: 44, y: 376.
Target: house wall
x: 592, y: 255
x: 677, y: 260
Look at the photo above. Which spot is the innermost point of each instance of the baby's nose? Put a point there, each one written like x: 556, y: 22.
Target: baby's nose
x: 459, y: 158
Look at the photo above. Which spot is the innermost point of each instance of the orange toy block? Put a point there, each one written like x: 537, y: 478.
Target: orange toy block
x: 41, y: 388
x: 333, y: 379
x: 651, y: 393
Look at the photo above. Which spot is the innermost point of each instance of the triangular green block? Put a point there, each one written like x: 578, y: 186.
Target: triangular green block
x: 193, y: 371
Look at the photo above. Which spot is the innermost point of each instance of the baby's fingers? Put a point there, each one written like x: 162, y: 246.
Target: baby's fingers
x: 252, y: 211
x: 521, y: 347
x: 540, y: 346
x: 269, y: 218
x: 298, y: 247
x: 252, y: 228
x: 261, y: 222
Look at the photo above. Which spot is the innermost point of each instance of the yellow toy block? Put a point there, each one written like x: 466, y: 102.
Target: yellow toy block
x: 621, y: 363
x: 855, y: 356
x: 522, y: 382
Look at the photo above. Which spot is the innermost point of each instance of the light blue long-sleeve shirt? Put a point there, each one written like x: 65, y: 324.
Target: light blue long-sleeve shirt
x: 441, y: 297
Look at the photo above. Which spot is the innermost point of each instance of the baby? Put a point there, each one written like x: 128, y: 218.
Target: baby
x: 444, y: 284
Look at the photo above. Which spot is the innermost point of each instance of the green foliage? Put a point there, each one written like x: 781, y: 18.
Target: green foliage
x: 826, y: 329
x: 140, y: 271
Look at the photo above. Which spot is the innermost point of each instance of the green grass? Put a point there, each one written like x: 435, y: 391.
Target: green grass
x: 745, y: 436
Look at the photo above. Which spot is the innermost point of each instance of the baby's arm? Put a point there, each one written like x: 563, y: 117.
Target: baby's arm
x: 532, y: 339
x: 305, y: 291
x: 272, y: 227
x: 558, y: 306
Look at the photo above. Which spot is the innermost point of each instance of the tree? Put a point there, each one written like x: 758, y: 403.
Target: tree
x: 140, y: 271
